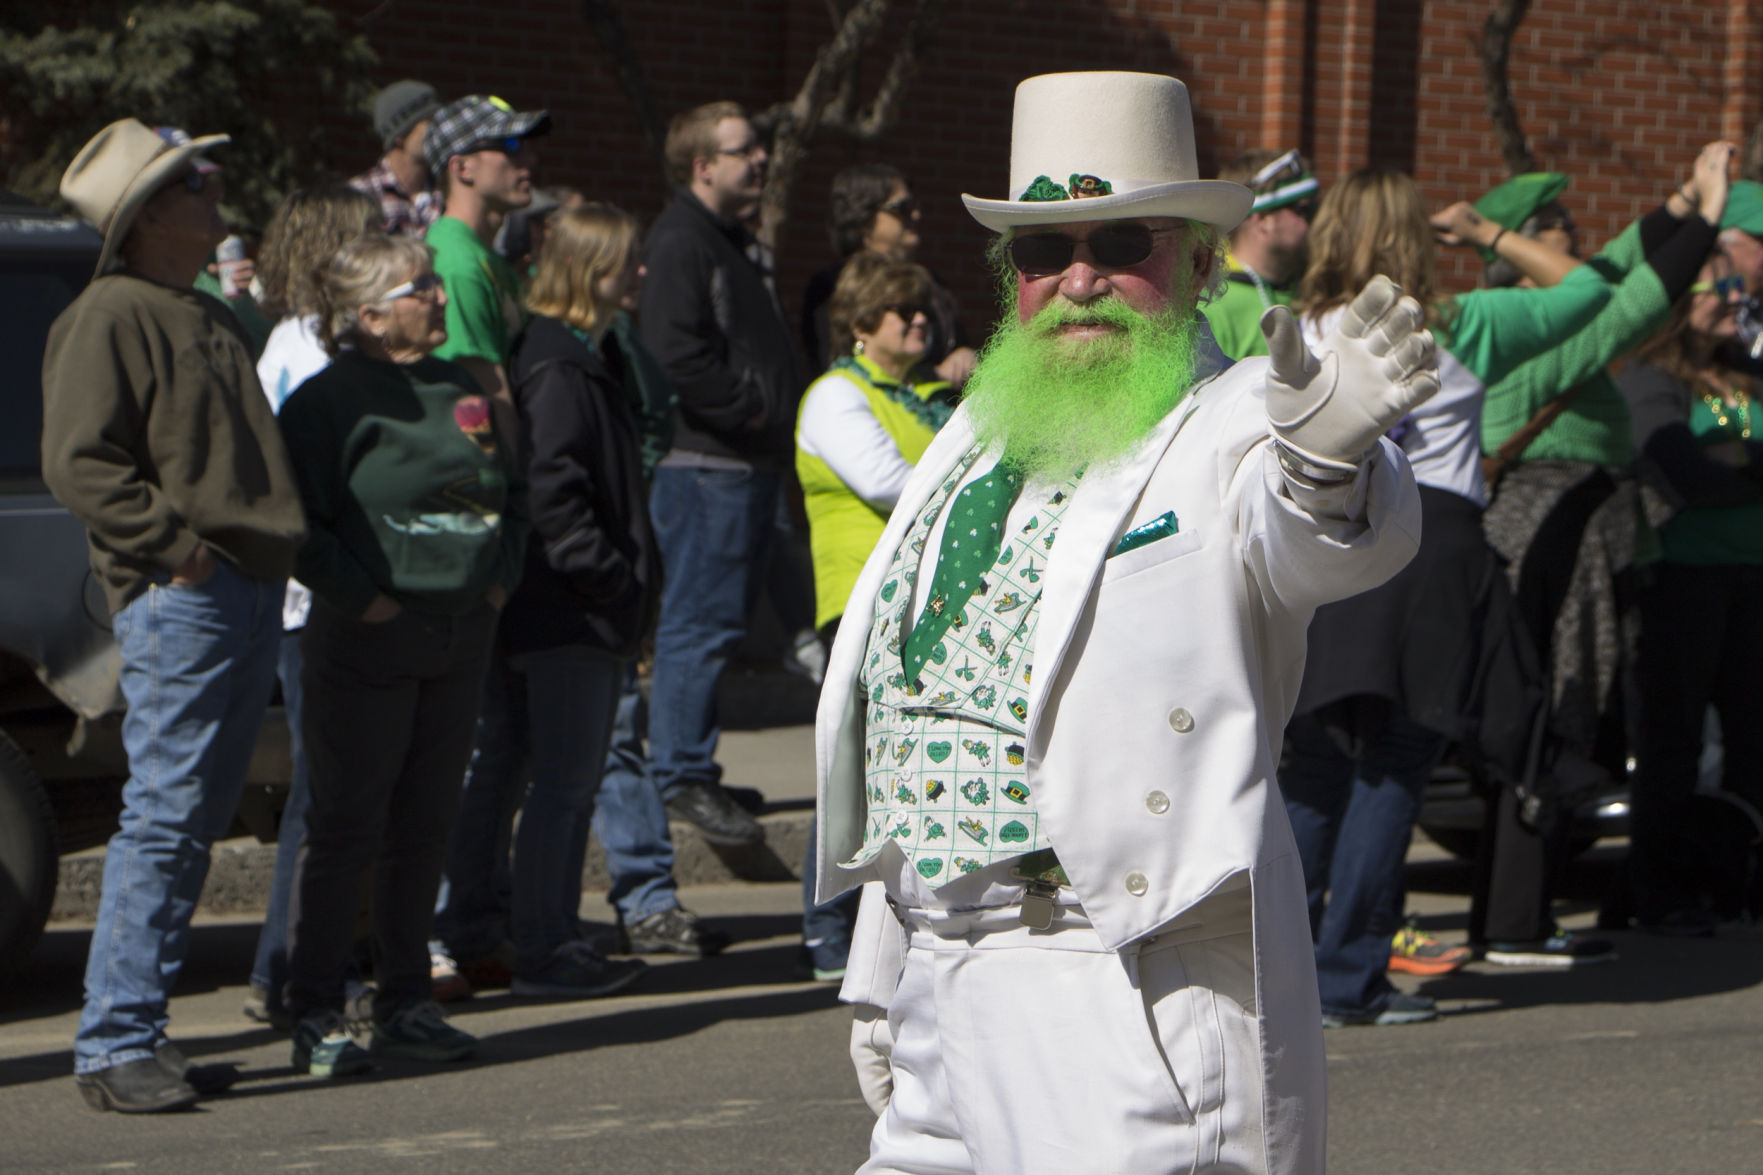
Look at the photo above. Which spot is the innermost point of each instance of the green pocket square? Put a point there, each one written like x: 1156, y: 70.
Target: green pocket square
x: 1164, y: 526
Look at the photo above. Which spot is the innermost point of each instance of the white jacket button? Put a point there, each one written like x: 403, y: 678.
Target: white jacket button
x: 1180, y: 720
x: 1157, y: 803
x: 1137, y: 884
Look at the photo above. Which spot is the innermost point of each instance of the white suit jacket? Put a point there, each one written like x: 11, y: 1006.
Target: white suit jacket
x: 1163, y: 681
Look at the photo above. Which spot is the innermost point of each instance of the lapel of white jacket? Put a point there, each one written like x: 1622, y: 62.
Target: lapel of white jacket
x: 1099, y: 507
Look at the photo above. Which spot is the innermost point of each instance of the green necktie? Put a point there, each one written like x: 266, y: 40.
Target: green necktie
x: 971, y: 540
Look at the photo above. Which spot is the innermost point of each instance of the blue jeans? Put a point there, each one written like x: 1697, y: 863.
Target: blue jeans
x: 198, y: 664
x: 270, y: 970
x: 713, y: 527
x: 630, y: 818
x: 1353, y: 819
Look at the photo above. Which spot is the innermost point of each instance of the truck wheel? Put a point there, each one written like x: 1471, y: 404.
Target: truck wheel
x: 28, y: 856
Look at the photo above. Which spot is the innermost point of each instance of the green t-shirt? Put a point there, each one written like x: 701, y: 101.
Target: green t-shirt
x: 483, y: 294
x: 1703, y: 536
x: 1235, y: 315
x: 409, y: 487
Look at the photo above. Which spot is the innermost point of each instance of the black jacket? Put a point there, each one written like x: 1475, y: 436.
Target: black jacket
x: 593, y: 573
x: 711, y: 317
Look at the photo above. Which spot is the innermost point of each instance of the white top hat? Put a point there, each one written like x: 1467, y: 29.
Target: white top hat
x: 1106, y: 146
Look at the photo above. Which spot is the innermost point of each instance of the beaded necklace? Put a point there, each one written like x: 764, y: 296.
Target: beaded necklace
x: 1723, y: 412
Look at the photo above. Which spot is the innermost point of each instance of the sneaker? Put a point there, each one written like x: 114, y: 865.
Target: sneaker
x: 258, y: 1009
x: 1418, y: 953
x: 135, y: 1087
x: 1686, y: 922
x: 420, y: 1032
x: 358, y: 1007
x: 1399, y: 1008
x: 578, y: 971
x: 1561, y: 949
x: 446, y: 984
x: 671, y: 932
x: 324, y: 1048
x: 718, y: 819
x: 823, y: 962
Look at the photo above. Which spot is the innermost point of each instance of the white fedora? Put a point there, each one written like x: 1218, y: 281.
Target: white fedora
x: 119, y: 171
x: 1106, y: 146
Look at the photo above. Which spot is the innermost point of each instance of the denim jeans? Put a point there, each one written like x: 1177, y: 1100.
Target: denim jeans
x: 270, y: 970
x: 391, y: 710
x: 713, y: 527
x: 570, y: 694
x: 630, y: 818
x: 198, y: 664
x: 1352, y: 819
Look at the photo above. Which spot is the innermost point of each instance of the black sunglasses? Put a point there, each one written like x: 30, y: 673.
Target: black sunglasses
x: 907, y: 312
x: 508, y: 146
x: 1113, y: 246
x: 905, y: 208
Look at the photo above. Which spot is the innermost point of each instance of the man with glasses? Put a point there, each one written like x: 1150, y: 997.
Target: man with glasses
x: 482, y: 152
x: 1266, y: 256
x: 709, y: 312
x: 158, y: 438
x: 1052, y: 715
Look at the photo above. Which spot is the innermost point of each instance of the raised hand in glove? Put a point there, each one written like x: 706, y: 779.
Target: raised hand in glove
x: 1376, y: 365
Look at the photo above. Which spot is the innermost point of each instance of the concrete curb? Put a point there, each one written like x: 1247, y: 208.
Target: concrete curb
x: 242, y: 869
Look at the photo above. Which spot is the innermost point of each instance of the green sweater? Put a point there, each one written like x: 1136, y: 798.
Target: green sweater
x: 409, y: 487
x: 1595, y: 426
x: 157, y: 437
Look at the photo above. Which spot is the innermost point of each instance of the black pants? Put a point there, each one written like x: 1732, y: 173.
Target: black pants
x: 1701, y: 645
x: 391, y: 713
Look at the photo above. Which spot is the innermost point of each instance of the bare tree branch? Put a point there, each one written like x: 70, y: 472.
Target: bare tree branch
x: 607, y: 23
x: 1495, y: 44
x: 879, y: 114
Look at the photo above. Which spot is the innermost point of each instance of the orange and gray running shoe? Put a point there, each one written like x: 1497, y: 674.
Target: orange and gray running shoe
x: 1419, y: 953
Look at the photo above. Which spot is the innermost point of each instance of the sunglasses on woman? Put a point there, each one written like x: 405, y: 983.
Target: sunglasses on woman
x: 905, y: 208
x: 1113, y: 246
x: 1724, y: 287
x: 418, y: 286
x: 907, y: 312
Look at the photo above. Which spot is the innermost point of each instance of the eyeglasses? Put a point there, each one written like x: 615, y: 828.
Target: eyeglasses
x: 509, y: 146
x: 1113, y: 246
x: 193, y: 180
x: 418, y: 286
x: 748, y: 152
x: 905, y: 208
x: 907, y: 312
x: 1724, y: 287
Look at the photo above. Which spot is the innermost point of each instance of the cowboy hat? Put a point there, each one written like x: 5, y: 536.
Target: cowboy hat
x: 1106, y: 146
x: 119, y: 171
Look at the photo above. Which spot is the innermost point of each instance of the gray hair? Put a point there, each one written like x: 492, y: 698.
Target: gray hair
x: 359, y: 275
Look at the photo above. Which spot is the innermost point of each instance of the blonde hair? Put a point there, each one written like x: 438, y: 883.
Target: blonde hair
x: 303, y: 235
x: 359, y: 275
x: 691, y: 136
x: 868, y: 285
x: 1371, y: 222
x: 583, y: 245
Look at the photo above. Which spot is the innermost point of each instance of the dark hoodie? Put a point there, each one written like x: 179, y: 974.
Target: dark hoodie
x: 593, y: 574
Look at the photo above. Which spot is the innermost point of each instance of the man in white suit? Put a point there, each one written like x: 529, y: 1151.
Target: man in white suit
x: 1052, y: 716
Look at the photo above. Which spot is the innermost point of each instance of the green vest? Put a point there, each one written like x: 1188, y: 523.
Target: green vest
x: 842, y: 528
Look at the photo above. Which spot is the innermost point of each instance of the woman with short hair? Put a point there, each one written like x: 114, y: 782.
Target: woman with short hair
x: 417, y: 517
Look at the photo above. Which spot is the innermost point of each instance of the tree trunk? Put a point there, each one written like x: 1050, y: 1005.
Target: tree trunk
x: 1495, y: 45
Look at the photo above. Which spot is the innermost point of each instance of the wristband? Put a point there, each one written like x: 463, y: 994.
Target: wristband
x: 1495, y: 243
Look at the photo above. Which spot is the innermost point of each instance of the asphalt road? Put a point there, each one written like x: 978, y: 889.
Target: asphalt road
x: 1651, y: 1064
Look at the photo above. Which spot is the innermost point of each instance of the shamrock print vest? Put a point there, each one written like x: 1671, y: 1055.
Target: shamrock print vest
x: 944, y: 776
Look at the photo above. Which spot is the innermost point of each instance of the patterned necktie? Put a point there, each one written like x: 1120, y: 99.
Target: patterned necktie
x: 971, y: 540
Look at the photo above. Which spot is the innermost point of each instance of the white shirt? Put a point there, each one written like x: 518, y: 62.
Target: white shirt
x: 838, y: 426
x: 292, y: 356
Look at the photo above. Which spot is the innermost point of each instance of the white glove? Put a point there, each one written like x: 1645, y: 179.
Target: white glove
x: 1376, y: 366
x: 872, y: 1049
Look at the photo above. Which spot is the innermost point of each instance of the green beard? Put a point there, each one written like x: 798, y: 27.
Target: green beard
x: 1059, y: 406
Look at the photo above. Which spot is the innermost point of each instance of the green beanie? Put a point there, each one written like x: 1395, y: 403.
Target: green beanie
x: 1744, y: 208
x: 1516, y: 200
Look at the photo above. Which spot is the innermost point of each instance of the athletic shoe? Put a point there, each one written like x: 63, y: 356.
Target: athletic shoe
x: 578, y: 971
x: 258, y: 1008
x: 1686, y: 922
x: 1417, y: 953
x: 135, y: 1087
x: 823, y: 962
x: 671, y: 932
x: 446, y: 984
x: 713, y: 812
x: 1399, y: 1008
x: 420, y: 1032
x: 1561, y: 949
x: 324, y: 1048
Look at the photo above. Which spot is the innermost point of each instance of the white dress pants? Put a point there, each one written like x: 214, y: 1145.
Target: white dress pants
x: 1020, y: 1052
